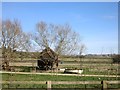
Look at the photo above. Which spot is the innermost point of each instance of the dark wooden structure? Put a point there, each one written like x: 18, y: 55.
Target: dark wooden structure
x: 48, y: 59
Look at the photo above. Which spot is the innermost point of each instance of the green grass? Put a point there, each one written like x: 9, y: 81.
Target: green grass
x: 98, y: 72
x: 24, y: 85
x: 41, y: 86
x: 23, y: 68
x: 31, y: 77
x: 89, y: 65
x: 87, y: 59
x: 77, y: 86
x: 101, y: 69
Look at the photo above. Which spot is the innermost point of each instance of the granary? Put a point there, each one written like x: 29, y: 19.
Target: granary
x: 48, y: 59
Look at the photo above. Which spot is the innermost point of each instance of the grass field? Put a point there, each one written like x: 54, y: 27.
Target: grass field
x: 89, y: 68
x: 96, y: 66
x: 104, y: 66
x: 91, y: 71
x: 23, y: 77
x: 31, y: 77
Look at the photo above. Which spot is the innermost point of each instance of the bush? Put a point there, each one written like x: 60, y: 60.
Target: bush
x: 116, y: 59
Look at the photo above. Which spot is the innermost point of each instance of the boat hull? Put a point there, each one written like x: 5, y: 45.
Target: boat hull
x: 73, y: 71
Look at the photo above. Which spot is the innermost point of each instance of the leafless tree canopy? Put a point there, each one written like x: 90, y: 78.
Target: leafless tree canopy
x: 12, y: 35
x: 12, y: 38
x: 10, y: 31
x: 61, y: 38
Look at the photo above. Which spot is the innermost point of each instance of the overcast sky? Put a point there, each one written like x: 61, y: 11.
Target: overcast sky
x: 97, y: 23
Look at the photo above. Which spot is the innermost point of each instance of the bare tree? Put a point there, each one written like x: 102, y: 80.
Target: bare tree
x: 12, y: 39
x: 24, y: 43
x: 82, y: 49
x: 61, y: 38
x: 10, y: 31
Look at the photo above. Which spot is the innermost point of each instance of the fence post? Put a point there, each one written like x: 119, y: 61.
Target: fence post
x: 104, y: 85
x: 48, y: 85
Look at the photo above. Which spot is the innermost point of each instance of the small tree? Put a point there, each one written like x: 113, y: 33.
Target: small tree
x: 82, y: 49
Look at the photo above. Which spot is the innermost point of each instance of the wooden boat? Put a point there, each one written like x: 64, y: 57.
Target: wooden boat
x: 78, y: 71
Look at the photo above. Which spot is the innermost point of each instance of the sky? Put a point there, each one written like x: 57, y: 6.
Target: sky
x: 95, y: 22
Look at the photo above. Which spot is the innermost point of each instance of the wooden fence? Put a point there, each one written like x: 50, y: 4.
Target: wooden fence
x: 49, y: 83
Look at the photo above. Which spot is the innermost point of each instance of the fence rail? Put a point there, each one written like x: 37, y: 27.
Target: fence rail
x: 49, y: 83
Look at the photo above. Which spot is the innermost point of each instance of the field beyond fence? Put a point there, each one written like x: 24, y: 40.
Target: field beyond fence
x: 89, y: 65
x: 98, y: 73
x: 104, y: 84
x: 17, y: 80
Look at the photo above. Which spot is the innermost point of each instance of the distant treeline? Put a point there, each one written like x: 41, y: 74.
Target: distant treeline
x: 36, y: 55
